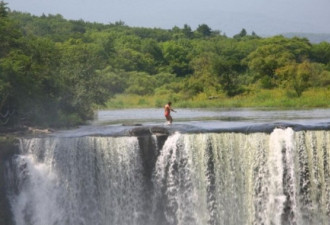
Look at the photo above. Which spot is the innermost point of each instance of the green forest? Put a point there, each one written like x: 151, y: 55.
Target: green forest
x: 55, y: 72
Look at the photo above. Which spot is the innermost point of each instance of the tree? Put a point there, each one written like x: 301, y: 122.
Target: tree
x: 254, y: 34
x: 3, y: 9
x: 228, y: 77
x: 241, y: 34
x: 187, y: 31
x: 30, y: 73
x: 176, y: 54
x: 82, y: 85
x: 274, y: 53
x: 78, y: 26
x: 140, y: 84
x: 111, y: 82
x: 153, y: 55
x: 203, y: 78
x: 204, y: 30
x: 163, y: 78
x: 266, y: 59
x: 321, y: 52
x: 297, y: 76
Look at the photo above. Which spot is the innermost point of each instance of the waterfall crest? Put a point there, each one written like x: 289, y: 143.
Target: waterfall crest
x: 186, y: 179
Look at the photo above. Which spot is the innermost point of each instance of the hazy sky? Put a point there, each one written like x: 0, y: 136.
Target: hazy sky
x: 265, y: 17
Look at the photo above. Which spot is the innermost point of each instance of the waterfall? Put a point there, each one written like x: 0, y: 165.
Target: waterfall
x: 186, y: 179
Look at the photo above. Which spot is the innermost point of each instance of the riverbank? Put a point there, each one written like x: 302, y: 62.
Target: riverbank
x: 272, y: 99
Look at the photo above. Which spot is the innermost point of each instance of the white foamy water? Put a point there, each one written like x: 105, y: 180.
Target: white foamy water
x: 207, y: 178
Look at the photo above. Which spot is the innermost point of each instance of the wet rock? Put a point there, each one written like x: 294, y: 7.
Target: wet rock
x: 8, y: 147
x: 159, y: 131
x: 131, y: 124
x: 140, y: 131
x: 146, y: 131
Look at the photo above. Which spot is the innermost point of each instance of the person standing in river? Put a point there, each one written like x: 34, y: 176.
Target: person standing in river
x: 168, y: 110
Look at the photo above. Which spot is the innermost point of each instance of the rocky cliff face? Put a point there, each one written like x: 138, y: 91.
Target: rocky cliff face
x: 8, y: 147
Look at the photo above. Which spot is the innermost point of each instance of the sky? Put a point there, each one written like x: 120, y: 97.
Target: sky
x: 264, y: 17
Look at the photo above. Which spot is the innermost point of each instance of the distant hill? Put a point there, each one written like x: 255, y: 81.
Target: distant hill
x: 312, y: 37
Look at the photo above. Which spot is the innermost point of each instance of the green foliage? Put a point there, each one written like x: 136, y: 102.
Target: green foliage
x: 323, y: 79
x: 274, y: 53
x: 241, y: 34
x: 141, y: 84
x: 298, y: 77
x: 164, y: 78
x: 267, y: 58
x: 203, y: 79
x: 228, y: 77
x: 321, y: 52
x: 3, y: 9
x: 276, y: 98
x: 26, y: 75
x: 204, y: 30
x: 113, y: 81
x: 53, y: 71
x: 187, y: 32
x: 81, y: 84
x: 176, y: 55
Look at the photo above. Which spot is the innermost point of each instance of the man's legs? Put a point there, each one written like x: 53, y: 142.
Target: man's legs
x: 169, y: 119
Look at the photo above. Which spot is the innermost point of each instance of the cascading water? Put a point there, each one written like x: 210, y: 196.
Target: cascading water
x: 207, y: 178
x: 87, y: 180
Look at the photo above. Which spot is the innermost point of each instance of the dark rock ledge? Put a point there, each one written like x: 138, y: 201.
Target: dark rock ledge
x: 146, y: 130
x: 8, y: 147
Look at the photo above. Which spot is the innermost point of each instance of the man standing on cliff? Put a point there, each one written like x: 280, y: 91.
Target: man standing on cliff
x: 168, y: 110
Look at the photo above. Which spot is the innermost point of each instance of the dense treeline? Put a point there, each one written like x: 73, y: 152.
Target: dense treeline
x: 53, y: 71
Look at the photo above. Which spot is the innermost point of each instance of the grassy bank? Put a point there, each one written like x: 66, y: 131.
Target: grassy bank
x: 276, y: 98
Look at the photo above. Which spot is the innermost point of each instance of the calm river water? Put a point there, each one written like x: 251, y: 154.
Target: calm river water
x: 116, y: 122
x: 218, y: 116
